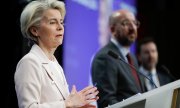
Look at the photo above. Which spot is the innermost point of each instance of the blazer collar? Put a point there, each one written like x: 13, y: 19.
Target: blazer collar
x: 39, y: 52
x: 114, y: 48
x: 36, y: 50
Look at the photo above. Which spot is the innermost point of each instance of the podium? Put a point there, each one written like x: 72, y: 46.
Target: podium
x: 167, y: 96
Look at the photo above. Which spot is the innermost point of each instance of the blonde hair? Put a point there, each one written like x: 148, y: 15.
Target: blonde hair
x: 32, y: 14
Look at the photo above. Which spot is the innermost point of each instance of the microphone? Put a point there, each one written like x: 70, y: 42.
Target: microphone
x: 116, y: 56
x: 163, y: 67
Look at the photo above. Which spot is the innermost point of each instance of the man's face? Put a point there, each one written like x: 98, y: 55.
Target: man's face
x: 125, y: 30
x: 148, y: 55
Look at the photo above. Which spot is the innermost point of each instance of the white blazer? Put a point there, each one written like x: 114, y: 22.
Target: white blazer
x: 35, y: 84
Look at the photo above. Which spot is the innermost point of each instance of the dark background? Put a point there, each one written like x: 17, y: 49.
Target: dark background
x: 159, y: 19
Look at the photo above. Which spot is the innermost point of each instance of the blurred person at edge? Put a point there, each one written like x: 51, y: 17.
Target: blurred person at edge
x: 147, y: 55
x: 39, y: 78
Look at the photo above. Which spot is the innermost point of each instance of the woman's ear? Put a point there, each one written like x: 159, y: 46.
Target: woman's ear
x: 34, y: 31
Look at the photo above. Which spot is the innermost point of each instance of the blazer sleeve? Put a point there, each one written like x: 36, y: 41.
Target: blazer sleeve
x: 28, y: 85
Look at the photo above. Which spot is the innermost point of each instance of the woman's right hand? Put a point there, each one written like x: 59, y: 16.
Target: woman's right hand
x: 82, y: 98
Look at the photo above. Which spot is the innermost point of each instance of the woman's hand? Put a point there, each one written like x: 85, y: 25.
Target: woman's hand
x: 82, y: 98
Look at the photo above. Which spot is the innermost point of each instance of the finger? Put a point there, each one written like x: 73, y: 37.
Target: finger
x: 87, y: 88
x: 92, y: 100
x: 90, y: 91
x: 92, y: 95
x: 73, y: 91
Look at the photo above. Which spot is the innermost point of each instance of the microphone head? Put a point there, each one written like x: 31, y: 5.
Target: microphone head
x: 113, y: 54
x: 165, y: 69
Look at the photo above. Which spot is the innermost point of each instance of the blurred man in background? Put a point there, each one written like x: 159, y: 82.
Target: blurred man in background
x: 147, y: 54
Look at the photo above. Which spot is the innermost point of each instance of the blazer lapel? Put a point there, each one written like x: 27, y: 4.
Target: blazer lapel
x: 61, y: 90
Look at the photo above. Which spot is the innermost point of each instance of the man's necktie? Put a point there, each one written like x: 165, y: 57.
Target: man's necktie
x: 151, y: 82
x: 134, y: 73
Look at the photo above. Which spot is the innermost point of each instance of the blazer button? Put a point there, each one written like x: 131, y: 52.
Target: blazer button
x: 52, y: 82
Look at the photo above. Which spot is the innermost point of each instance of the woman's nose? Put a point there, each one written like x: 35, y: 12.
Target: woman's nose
x: 60, y: 26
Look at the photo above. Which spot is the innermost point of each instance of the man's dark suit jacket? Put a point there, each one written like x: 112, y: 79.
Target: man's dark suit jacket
x: 113, y: 77
x: 164, y: 77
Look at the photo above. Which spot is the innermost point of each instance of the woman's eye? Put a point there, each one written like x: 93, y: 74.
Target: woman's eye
x: 62, y: 23
x: 52, y: 22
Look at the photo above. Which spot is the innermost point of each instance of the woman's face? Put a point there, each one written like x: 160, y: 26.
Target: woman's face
x: 50, y: 32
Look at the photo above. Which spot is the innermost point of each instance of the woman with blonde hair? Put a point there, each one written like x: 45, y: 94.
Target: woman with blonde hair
x: 39, y: 78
